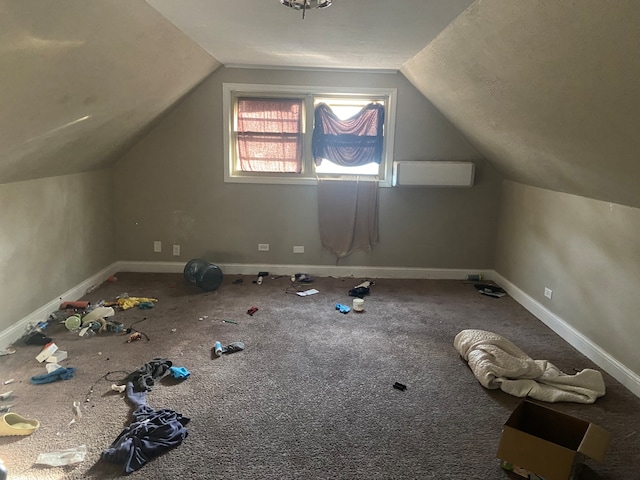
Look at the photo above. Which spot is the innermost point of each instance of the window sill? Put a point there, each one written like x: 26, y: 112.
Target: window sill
x: 287, y: 180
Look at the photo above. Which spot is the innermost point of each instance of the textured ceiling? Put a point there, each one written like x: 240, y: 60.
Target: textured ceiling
x: 548, y: 91
x: 81, y: 80
x: 351, y: 34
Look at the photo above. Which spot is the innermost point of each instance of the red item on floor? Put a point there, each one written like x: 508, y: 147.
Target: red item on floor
x: 252, y: 310
x: 82, y: 304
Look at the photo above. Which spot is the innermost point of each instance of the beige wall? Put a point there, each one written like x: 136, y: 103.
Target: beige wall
x: 54, y: 233
x: 170, y: 187
x: 587, y: 251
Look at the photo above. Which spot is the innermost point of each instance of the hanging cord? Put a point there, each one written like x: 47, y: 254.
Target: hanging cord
x: 132, y: 331
x: 295, y: 288
x: 297, y: 285
x: 106, y: 377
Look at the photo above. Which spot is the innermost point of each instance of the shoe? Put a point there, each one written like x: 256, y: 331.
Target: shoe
x: 359, y: 292
x: 13, y: 424
x: 233, y: 347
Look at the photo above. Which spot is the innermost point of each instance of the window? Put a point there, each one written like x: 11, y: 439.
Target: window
x: 289, y: 134
x: 269, y: 135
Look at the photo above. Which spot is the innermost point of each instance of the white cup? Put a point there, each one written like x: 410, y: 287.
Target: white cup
x: 358, y: 305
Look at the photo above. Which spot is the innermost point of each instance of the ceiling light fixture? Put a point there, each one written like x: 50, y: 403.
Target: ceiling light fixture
x: 305, y: 5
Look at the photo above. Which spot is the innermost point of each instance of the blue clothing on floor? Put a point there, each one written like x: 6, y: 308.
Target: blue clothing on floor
x: 58, y: 374
x: 151, y: 433
x: 179, y: 373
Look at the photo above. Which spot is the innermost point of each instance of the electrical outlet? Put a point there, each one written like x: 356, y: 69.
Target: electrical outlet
x: 176, y: 250
x: 157, y: 246
x: 548, y: 292
x: 263, y: 247
x: 298, y: 249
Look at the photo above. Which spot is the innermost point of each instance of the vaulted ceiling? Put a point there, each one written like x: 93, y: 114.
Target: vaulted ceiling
x: 81, y: 81
x: 351, y: 34
x: 547, y: 91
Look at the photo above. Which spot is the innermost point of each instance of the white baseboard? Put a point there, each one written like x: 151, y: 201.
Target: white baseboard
x: 150, y: 267
x: 584, y: 345
x: 17, y: 330
x: 313, y: 270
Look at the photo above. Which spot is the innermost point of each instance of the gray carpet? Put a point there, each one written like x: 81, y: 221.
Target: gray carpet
x: 311, y: 396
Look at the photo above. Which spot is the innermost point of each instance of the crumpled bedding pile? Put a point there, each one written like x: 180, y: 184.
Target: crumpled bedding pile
x: 498, y: 363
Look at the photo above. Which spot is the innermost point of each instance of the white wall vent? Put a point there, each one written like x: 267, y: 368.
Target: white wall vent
x: 433, y: 174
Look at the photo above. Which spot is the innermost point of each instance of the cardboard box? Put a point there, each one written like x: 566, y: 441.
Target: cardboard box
x: 539, y: 442
x: 46, y: 352
x: 57, y: 357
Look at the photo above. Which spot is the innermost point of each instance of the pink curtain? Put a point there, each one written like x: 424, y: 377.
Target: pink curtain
x: 269, y: 133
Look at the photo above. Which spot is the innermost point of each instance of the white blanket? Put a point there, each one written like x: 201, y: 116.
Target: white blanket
x: 498, y: 363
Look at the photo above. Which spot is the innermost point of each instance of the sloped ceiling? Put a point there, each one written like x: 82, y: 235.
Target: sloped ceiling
x: 82, y: 80
x: 351, y: 34
x: 547, y: 90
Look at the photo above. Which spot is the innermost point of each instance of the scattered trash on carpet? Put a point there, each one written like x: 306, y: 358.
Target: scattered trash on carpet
x: 70, y: 456
x: 490, y: 290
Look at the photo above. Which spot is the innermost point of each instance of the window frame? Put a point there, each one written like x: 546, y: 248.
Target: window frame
x: 231, y: 91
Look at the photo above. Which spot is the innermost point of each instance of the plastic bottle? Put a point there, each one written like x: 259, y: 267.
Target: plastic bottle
x: 95, y: 326
x: 217, y: 349
x: 115, y: 327
x: 86, y: 332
